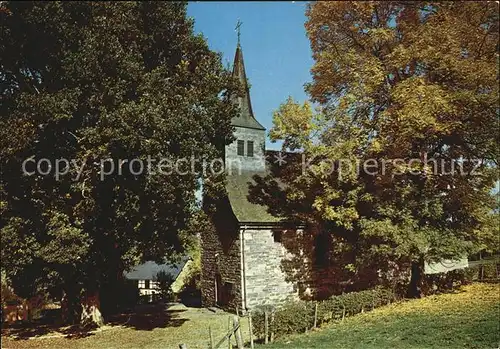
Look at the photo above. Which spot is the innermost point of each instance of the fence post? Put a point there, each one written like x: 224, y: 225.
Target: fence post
x: 266, y: 327
x: 250, y: 329
x: 343, y: 312
x: 315, y: 314
x: 237, y: 332
x: 240, y: 332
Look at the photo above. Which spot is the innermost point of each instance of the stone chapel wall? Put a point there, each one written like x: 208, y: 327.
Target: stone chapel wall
x: 264, y: 280
x: 220, y: 254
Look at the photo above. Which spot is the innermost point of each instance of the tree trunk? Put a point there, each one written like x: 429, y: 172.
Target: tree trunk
x: 416, y: 279
x: 85, y: 312
x: 70, y: 307
x: 91, y: 311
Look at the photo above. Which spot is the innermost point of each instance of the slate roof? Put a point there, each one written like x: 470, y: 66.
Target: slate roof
x: 238, y: 189
x: 245, y: 117
x: 149, y: 270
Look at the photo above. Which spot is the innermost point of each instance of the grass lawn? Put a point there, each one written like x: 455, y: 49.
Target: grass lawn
x: 148, y: 330
x: 466, y: 319
x: 469, y: 318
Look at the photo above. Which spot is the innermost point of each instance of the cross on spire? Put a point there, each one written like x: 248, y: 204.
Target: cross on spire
x: 238, y: 26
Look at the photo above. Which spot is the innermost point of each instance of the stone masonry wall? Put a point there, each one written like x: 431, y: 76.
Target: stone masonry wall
x: 220, y: 253
x: 234, y: 162
x: 264, y: 280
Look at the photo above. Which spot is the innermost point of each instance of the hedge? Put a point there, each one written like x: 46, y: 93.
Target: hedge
x: 298, y: 316
x: 443, y: 282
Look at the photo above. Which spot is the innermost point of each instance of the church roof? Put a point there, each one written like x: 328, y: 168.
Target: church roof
x: 238, y: 190
x: 245, y: 117
x: 149, y: 270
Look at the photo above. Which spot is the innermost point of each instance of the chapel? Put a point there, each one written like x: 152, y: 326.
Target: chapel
x: 241, y: 259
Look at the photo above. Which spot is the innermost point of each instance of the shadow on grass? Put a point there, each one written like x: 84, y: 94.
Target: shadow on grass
x: 142, y: 318
x: 148, y: 317
x: 24, y: 331
x: 46, y: 324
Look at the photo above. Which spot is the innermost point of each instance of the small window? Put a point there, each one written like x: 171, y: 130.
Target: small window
x: 278, y: 236
x: 142, y: 284
x: 250, y: 148
x: 147, y: 284
x: 241, y: 148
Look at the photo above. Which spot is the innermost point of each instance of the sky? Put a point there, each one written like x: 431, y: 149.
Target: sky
x: 275, y: 47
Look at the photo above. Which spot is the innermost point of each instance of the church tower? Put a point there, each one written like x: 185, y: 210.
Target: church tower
x: 247, y: 152
x: 241, y: 257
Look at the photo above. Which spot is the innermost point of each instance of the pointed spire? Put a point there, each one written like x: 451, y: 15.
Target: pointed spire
x: 246, y: 117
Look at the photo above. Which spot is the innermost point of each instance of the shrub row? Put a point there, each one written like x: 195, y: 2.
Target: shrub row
x: 489, y: 271
x: 298, y: 316
x: 443, y: 282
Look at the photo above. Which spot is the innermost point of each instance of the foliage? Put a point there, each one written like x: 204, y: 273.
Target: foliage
x: 198, y: 223
x: 407, y: 98
x: 88, y: 82
x: 454, y: 279
x: 298, y: 316
x: 464, y: 319
x: 165, y: 281
x: 8, y: 296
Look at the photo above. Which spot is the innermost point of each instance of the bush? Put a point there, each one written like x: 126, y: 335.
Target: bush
x: 165, y: 281
x: 8, y: 297
x: 291, y: 317
x: 487, y: 271
x: 348, y: 304
x: 444, y: 282
x: 490, y: 272
x: 298, y: 316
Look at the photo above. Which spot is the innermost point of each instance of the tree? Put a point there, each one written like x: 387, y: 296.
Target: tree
x: 408, y: 106
x: 165, y: 281
x: 105, y: 86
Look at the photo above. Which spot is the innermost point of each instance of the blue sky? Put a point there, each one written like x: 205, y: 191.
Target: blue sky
x: 275, y: 48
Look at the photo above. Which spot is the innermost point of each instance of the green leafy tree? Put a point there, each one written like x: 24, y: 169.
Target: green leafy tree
x: 89, y: 82
x: 165, y: 281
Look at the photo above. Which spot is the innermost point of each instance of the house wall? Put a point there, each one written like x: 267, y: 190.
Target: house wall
x: 220, y: 253
x: 235, y: 162
x: 152, y: 289
x: 180, y: 281
x: 264, y: 279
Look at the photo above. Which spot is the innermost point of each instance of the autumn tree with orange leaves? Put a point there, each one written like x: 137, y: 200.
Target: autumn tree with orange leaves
x: 398, y: 80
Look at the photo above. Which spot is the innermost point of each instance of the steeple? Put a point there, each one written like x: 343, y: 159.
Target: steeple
x: 246, y: 117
